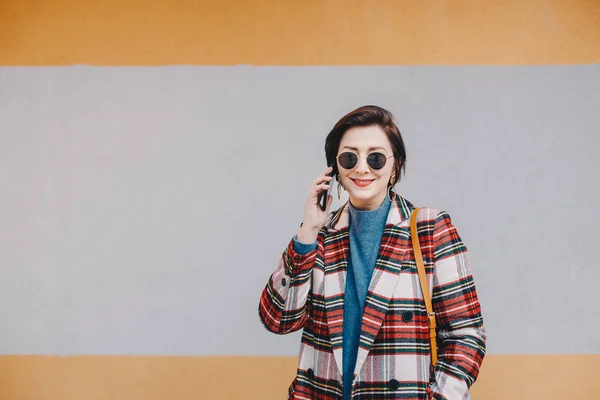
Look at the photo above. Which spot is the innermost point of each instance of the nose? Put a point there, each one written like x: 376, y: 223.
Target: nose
x: 361, y: 166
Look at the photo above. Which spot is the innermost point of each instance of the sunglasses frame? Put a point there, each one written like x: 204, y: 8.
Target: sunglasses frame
x: 358, y: 158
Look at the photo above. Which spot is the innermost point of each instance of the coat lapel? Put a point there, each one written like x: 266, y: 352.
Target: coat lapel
x: 385, y: 277
x: 381, y: 287
x: 337, y: 248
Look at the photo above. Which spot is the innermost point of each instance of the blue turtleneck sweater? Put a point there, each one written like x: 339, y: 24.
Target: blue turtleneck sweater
x: 366, y: 229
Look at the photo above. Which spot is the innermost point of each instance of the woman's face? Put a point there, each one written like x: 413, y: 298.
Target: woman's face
x: 367, y: 187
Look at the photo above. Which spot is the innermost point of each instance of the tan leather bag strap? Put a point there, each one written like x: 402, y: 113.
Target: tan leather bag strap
x: 424, y: 286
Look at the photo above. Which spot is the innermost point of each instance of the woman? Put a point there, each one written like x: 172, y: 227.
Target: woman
x: 349, y: 278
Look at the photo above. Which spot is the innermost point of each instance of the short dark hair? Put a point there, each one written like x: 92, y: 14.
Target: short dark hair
x: 367, y: 116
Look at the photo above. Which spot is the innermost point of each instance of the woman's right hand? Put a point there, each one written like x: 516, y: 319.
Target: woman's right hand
x: 314, y: 217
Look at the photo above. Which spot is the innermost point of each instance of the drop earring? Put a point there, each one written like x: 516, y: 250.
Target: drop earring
x: 392, y: 182
x: 339, y: 190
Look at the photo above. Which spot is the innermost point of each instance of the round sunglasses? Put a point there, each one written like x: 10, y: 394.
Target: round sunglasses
x: 375, y: 160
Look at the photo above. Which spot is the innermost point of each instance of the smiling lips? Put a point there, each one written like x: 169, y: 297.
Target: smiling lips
x: 362, y: 182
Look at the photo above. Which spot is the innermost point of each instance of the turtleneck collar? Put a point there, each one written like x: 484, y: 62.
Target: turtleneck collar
x: 367, y: 220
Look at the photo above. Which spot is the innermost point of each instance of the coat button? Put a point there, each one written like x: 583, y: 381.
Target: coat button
x: 310, y: 373
x: 407, y: 316
x: 393, y: 384
x: 283, y: 282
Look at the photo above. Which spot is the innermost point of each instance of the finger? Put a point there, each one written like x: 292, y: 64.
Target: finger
x: 314, y: 195
x: 322, y: 179
x: 316, y: 190
x: 321, y: 187
x: 325, y: 173
x: 321, y: 182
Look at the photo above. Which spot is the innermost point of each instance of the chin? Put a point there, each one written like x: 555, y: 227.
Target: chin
x: 366, y: 196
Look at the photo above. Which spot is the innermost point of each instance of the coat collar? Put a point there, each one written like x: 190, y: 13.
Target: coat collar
x: 383, y: 281
x: 400, y: 210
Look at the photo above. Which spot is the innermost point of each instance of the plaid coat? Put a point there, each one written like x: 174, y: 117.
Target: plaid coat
x: 393, y: 362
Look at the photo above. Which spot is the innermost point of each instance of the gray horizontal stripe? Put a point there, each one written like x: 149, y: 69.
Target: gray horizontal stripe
x: 142, y: 210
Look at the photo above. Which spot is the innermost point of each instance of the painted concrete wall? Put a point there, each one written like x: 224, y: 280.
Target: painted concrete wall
x: 133, y: 196
x: 125, y: 190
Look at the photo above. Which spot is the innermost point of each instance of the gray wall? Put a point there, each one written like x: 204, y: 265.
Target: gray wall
x: 143, y: 209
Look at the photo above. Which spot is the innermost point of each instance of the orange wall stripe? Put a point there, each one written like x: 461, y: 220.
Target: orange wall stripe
x: 262, y: 378
x: 318, y: 32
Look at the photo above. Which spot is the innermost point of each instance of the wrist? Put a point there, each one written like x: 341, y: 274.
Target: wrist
x: 307, y: 235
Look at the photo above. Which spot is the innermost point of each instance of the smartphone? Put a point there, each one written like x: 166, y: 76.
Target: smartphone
x: 322, y: 199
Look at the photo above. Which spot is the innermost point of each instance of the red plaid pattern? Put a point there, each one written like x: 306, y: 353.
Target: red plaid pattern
x: 393, y: 362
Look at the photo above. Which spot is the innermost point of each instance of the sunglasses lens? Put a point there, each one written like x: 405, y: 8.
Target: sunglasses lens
x: 376, y: 160
x: 347, y: 160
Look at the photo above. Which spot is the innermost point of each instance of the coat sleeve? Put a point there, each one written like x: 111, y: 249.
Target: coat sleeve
x: 284, y: 302
x: 461, y: 335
